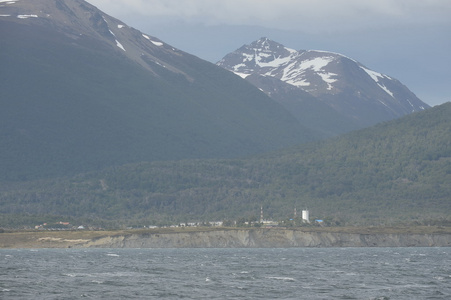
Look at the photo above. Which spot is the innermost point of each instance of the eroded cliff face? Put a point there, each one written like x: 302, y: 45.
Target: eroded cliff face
x: 267, y: 238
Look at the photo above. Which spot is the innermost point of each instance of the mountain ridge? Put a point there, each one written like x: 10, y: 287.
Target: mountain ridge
x: 356, y: 93
x: 88, y: 22
x: 73, y: 100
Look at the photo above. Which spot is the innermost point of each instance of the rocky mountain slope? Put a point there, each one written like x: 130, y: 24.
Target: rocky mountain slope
x: 341, y: 93
x: 81, y: 90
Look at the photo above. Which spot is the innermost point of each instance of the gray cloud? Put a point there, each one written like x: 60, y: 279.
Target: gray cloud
x: 306, y: 15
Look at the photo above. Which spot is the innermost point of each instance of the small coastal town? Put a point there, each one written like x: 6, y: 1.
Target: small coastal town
x: 296, y: 220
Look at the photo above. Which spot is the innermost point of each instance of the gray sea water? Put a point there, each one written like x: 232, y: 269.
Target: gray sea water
x: 294, y: 273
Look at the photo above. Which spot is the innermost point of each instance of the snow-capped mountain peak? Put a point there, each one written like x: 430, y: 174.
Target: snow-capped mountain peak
x: 335, y: 79
x: 263, y: 54
x: 269, y: 58
x: 314, y: 70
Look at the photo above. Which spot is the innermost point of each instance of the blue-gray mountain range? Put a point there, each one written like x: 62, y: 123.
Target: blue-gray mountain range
x: 81, y: 90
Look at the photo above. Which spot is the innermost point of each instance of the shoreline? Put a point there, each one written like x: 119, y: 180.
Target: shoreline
x: 220, y: 237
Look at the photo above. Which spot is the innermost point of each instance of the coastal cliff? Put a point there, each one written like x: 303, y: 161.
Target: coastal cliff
x: 268, y: 238
x: 230, y: 238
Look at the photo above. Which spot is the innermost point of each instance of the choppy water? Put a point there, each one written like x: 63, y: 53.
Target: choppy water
x: 295, y: 273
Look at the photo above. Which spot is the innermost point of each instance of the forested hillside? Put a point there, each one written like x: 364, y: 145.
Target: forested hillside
x: 395, y: 172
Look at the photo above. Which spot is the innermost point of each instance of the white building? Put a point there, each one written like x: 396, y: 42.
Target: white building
x: 305, y: 216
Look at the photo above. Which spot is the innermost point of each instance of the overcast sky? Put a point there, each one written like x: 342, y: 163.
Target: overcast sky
x: 406, y: 39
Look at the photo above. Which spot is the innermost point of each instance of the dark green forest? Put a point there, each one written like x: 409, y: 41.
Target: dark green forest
x: 398, y: 172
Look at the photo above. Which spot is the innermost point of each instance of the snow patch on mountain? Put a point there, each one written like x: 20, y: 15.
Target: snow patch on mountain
x: 294, y: 72
x: 153, y: 42
x: 242, y: 75
x: 120, y: 45
x: 386, y: 89
x: 376, y: 77
x: 413, y: 106
x: 327, y: 78
x: 316, y: 64
x: 26, y: 16
x: 276, y: 62
x: 291, y: 75
x: 159, y: 44
x: 117, y: 42
x: 237, y: 67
